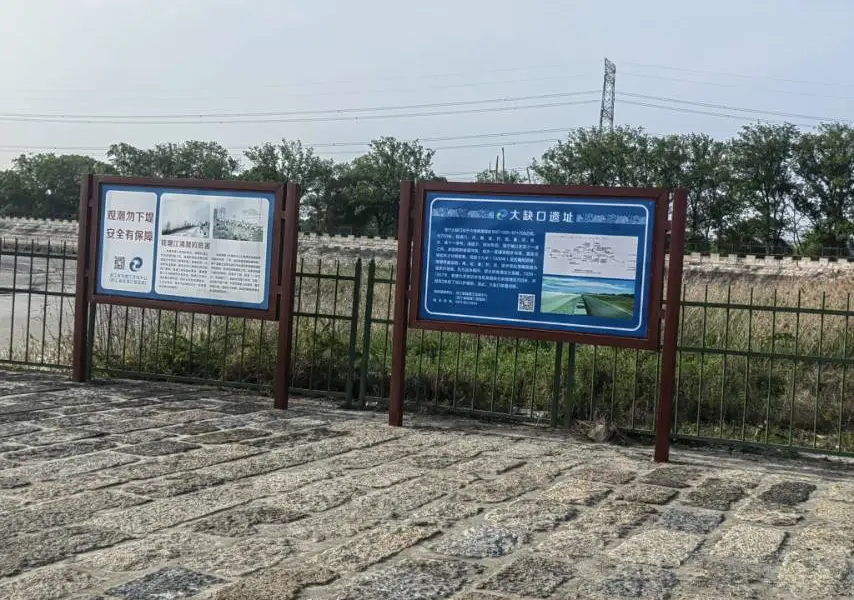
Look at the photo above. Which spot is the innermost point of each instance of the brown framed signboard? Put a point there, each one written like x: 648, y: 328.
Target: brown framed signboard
x: 216, y: 247
x: 556, y: 263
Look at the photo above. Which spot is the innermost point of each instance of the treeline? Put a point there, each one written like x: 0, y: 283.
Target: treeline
x: 772, y: 188
x: 359, y: 196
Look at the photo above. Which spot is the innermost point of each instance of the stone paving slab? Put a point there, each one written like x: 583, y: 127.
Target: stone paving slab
x: 144, y: 491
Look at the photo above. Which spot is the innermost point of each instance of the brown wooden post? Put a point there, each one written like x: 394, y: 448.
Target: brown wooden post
x: 401, y: 302
x: 80, y: 340
x: 664, y: 414
x: 286, y: 295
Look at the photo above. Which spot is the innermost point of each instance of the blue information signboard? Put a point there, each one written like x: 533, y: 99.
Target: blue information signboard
x: 198, y: 246
x: 568, y: 264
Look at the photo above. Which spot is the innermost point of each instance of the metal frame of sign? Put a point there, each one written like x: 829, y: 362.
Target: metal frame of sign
x: 668, y: 228
x: 280, y: 266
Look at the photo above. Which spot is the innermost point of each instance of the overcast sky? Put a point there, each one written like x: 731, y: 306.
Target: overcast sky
x: 195, y: 57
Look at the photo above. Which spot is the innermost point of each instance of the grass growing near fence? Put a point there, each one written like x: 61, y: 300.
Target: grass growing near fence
x: 756, y: 363
x: 756, y: 368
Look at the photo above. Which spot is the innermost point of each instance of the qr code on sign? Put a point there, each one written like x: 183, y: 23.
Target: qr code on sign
x: 119, y: 263
x: 525, y: 303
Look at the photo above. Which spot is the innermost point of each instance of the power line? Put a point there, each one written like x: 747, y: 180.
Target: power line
x: 441, y: 75
x: 299, y: 112
x: 419, y: 76
x: 467, y: 84
x: 734, y: 85
x: 741, y: 75
x: 754, y: 111
x: 461, y: 137
x: 695, y: 111
x: 242, y: 147
x: 239, y: 152
x: 321, y: 119
x: 482, y: 145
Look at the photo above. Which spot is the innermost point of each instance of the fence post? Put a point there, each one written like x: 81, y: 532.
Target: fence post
x: 14, y: 299
x: 556, y: 383
x: 669, y: 350
x: 80, y: 371
x: 570, y: 386
x: 354, y: 330
x: 90, y: 340
x: 366, y: 333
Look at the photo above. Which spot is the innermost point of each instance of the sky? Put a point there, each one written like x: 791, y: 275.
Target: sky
x: 179, y: 209
x: 587, y: 285
x: 155, y: 66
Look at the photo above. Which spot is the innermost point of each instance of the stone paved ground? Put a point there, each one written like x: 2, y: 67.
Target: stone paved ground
x: 141, y: 491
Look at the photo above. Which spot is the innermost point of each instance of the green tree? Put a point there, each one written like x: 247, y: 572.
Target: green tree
x: 712, y: 209
x: 594, y: 157
x: 51, y: 183
x: 694, y: 162
x: 14, y: 199
x: 765, y: 184
x: 824, y: 160
x: 493, y: 176
x: 291, y: 161
x: 668, y: 160
x: 192, y: 159
x: 373, y: 182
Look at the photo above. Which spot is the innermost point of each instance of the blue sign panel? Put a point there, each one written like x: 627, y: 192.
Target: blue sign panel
x: 198, y: 246
x: 579, y: 265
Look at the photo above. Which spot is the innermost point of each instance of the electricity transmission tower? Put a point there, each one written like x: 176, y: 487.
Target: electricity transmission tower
x: 606, y: 115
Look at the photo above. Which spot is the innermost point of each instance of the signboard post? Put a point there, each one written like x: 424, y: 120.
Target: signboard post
x: 216, y: 247
x: 557, y: 263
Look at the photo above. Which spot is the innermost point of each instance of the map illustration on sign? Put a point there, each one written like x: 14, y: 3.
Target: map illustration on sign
x: 568, y: 264
x: 589, y: 275
x: 211, y: 247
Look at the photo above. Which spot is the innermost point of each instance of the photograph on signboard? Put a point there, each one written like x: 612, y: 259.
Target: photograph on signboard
x: 588, y: 296
x: 229, y: 263
x: 239, y: 219
x: 184, y: 215
x: 589, y: 275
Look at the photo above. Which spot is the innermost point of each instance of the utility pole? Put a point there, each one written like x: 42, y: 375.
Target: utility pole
x: 609, y: 84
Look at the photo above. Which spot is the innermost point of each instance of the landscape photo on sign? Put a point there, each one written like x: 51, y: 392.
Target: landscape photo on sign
x: 588, y: 296
x: 239, y: 219
x: 589, y: 275
x: 184, y: 216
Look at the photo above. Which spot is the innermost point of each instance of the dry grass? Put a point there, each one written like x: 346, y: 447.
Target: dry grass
x: 763, y: 372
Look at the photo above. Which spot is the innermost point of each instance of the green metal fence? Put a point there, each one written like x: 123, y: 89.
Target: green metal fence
x: 756, y: 365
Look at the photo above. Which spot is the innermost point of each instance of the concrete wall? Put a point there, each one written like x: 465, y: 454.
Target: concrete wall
x: 39, y: 231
